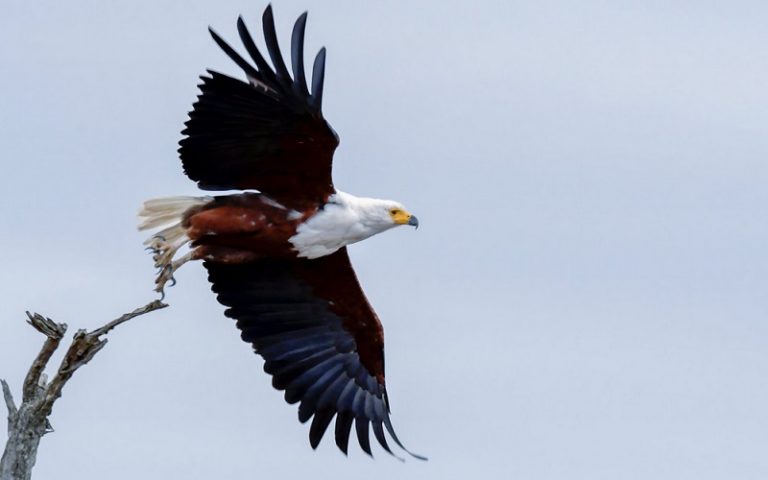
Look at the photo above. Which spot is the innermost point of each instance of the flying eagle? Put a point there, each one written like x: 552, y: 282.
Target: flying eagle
x: 277, y: 257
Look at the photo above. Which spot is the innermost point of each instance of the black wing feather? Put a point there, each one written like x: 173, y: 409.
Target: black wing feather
x: 266, y: 134
x: 297, y: 56
x: 318, y: 77
x: 315, y: 358
x: 320, y: 425
x: 343, y: 428
x: 231, y: 53
x: 273, y: 47
x: 267, y: 74
x: 378, y: 432
x: 361, y: 427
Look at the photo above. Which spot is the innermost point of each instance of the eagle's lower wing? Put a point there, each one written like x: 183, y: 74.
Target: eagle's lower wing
x: 267, y: 134
x: 321, y: 340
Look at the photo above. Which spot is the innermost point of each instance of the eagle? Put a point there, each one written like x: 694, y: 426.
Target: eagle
x: 276, y: 253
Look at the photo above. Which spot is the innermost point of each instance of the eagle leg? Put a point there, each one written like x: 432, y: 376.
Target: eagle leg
x: 164, y: 252
x: 167, y: 271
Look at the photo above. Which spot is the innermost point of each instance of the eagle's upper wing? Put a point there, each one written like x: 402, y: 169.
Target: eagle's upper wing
x: 321, y: 340
x: 268, y: 134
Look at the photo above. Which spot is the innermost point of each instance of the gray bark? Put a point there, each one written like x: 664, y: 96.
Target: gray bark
x: 28, y: 422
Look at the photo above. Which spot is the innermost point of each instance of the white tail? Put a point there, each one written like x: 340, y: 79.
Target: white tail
x: 167, y: 212
x: 162, y: 211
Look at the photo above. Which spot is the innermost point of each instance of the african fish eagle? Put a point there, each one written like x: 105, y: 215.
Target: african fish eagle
x: 277, y: 257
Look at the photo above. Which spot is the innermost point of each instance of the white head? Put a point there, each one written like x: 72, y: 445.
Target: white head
x: 347, y: 219
x: 376, y: 214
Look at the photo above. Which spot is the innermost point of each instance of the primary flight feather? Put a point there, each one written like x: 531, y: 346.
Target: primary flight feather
x: 277, y: 258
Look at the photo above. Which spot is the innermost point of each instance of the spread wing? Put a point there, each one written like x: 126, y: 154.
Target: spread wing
x: 268, y: 133
x: 321, y: 341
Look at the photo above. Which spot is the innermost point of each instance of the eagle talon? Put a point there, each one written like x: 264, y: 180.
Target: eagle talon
x: 166, y: 271
x: 161, y: 291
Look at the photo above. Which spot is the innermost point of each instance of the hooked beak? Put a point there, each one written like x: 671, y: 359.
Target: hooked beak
x: 413, y: 221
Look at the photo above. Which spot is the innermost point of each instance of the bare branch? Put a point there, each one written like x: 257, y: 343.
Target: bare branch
x: 28, y: 422
x: 151, y: 306
x: 46, y: 326
x: 54, y: 331
x: 83, y: 348
x: 8, y: 397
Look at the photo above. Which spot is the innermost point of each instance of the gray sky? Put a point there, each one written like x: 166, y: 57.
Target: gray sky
x: 586, y: 298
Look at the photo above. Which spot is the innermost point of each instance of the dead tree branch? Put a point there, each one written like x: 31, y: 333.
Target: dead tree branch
x: 28, y: 422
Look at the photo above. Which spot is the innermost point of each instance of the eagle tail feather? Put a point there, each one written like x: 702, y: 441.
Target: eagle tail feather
x: 159, y: 212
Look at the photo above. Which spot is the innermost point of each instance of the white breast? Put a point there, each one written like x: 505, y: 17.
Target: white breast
x: 338, y: 224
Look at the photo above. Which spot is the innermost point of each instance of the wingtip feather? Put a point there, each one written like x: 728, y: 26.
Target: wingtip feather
x: 318, y: 79
x: 297, y: 55
x: 273, y: 47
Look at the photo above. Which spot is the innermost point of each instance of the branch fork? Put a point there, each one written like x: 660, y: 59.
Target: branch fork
x: 28, y: 422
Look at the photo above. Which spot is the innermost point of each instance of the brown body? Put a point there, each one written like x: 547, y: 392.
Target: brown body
x: 243, y: 227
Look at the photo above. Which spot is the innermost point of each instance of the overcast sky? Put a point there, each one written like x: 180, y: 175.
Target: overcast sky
x: 585, y: 298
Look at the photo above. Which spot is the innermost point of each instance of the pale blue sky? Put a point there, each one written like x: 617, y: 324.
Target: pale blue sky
x: 585, y: 298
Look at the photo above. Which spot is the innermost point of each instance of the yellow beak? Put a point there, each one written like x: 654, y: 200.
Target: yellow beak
x: 404, y: 218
